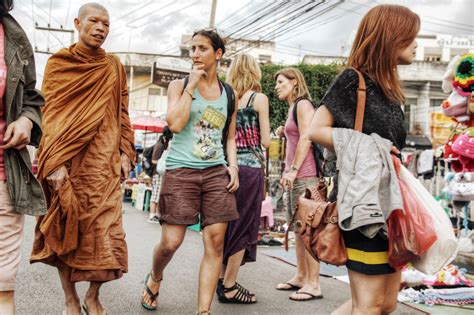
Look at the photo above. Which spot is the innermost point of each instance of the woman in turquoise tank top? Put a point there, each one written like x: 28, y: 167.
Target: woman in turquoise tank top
x: 201, y: 169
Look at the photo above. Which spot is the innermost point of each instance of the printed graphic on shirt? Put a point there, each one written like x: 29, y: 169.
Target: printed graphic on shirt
x: 208, y: 130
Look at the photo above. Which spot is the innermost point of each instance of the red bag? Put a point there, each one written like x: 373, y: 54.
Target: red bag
x: 412, y: 233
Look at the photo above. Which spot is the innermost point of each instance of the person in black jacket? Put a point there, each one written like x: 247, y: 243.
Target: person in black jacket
x: 20, y: 124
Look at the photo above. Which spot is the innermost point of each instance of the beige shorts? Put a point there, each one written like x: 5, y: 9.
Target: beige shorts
x: 11, y: 237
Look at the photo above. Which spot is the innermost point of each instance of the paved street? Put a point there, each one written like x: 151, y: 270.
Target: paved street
x: 39, y: 290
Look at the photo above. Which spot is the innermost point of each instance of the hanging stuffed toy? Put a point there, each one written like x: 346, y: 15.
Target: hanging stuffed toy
x: 459, y: 80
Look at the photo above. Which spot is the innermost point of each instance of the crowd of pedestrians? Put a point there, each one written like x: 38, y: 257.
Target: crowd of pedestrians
x: 214, y: 162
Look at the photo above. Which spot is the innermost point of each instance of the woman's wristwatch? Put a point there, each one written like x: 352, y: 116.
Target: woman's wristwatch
x: 294, y: 168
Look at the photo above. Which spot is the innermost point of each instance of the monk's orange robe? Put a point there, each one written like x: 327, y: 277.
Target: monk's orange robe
x: 85, y: 128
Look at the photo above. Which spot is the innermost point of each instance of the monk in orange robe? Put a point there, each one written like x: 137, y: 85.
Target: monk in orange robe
x: 86, y: 149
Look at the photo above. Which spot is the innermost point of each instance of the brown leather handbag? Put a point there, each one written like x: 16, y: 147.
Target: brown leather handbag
x: 318, y: 218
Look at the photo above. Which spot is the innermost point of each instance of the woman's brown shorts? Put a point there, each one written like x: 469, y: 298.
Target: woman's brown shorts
x: 186, y: 193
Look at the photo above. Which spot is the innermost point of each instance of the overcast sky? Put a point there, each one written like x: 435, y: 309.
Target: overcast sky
x: 156, y: 26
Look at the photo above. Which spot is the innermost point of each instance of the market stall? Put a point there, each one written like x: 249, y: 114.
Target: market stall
x: 451, y: 168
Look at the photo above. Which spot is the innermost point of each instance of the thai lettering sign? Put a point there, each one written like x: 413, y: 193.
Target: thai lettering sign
x: 168, y: 69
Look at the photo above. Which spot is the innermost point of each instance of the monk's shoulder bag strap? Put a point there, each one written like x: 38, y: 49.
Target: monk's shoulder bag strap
x: 229, y: 91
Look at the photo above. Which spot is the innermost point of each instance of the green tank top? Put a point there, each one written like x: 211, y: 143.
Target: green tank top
x: 199, y: 144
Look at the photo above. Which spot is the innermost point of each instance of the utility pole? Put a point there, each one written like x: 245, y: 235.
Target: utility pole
x: 299, y: 53
x: 212, y: 20
x: 130, y: 37
x: 52, y: 29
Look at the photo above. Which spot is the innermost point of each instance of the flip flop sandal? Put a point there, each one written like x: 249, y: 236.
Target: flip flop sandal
x: 150, y: 294
x: 310, y: 297
x: 291, y: 287
x: 86, y: 309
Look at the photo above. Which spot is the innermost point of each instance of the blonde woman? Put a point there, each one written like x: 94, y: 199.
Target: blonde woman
x: 253, y: 132
x: 300, y: 173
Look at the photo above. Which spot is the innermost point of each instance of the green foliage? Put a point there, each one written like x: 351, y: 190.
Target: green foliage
x: 318, y: 78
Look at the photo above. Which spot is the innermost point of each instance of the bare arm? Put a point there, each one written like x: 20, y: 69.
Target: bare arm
x: 305, y: 113
x: 261, y: 106
x: 320, y: 130
x: 179, y: 106
x: 179, y: 100
x: 231, y: 148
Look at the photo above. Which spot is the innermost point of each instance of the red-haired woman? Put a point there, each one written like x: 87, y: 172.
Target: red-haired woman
x: 385, y: 39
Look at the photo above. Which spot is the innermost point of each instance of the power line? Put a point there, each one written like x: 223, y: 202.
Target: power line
x: 232, y: 16
x: 288, y: 26
x: 143, y: 16
x: 30, y: 17
x: 253, y: 30
x: 47, y: 14
x: 423, y: 17
x: 319, y: 23
x: 260, y: 13
x: 67, y: 17
x: 450, y: 22
x: 131, y: 12
x: 307, y: 19
x: 163, y: 16
x: 33, y: 14
x: 252, y: 15
x: 49, y: 22
x: 268, y: 11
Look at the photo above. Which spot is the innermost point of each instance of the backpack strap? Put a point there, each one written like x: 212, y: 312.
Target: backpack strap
x: 230, y: 112
x: 295, y: 110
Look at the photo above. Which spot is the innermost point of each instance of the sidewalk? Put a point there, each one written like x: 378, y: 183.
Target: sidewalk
x: 39, y: 290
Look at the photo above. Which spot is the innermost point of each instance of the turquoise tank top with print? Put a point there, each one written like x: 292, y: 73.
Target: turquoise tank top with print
x: 199, y: 144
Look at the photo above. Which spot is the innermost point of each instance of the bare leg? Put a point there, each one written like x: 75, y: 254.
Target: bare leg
x: 392, y: 287
x: 73, y: 304
x: 344, y: 309
x: 299, y: 279
x: 232, y: 269
x: 92, y: 298
x: 213, y: 237
x: 153, y: 209
x: 233, y: 266
x: 312, y: 280
x: 171, y: 238
x: 367, y: 293
x: 7, y: 302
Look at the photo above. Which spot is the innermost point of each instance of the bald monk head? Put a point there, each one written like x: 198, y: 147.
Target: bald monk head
x: 92, y: 23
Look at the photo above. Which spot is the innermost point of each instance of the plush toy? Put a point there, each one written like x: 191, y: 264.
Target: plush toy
x: 459, y: 80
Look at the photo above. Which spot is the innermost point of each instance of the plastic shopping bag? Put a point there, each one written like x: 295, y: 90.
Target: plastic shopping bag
x: 444, y: 250
x: 161, y: 165
x: 410, y: 230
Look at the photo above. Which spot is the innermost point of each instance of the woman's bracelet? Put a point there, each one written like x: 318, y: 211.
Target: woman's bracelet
x: 235, y: 166
x: 189, y: 93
